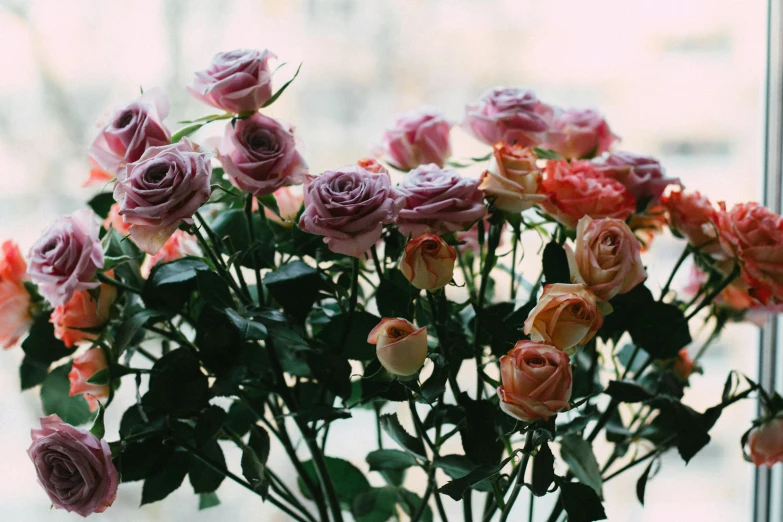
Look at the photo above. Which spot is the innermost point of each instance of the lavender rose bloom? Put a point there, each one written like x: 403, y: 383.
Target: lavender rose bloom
x: 162, y: 190
x: 642, y: 175
x: 131, y: 131
x: 439, y: 201
x: 418, y: 137
x: 349, y: 206
x: 74, y: 467
x: 236, y: 81
x: 508, y: 114
x: 260, y: 156
x: 66, y: 257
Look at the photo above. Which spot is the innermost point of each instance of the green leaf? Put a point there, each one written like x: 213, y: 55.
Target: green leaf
x: 641, y: 484
x: 32, y: 373
x: 295, y: 286
x: 178, y: 271
x: 543, y: 470
x: 388, y: 459
x: 269, y: 201
x: 480, y: 439
x: 578, y: 454
x: 581, y: 502
x: 140, y: 459
x: 547, y: 154
x: 101, y: 203
x: 214, y: 289
x: 555, y: 263
x: 209, y: 423
x: 185, y: 131
x: 374, y: 505
x: 391, y: 425
x: 395, y: 295
x: 207, y: 500
x: 248, y: 329
x: 455, y: 466
x: 56, y: 398
x: 130, y: 327
x: 349, y: 482
x: 354, y: 345
x: 627, y: 391
x: 40, y: 346
x: 203, y: 477
x: 177, y: 384
x: 276, y: 95
x: 167, y: 479
x: 457, y: 487
x: 410, y: 503
x: 98, y: 429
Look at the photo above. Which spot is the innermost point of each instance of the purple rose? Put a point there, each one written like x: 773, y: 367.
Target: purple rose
x: 580, y: 133
x: 162, y: 190
x: 74, y: 467
x: 66, y: 257
x: 236, y: 81
x: 260, y: 155
x: 131, y: 131
x: 349, y: 206
x: 642, y: 175
x: 418, y: 137
x: 508, y: 114
x: 439, y: 201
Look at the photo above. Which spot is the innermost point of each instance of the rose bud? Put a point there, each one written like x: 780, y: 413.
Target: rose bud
x: 260, y: 155
x: 512, y: 181
x: 468, y: 240
x: 15, y: 318
x: 289, y: 202
x: 428, y: 262
x: 349, y: 206
x: 131, y: 131
x: 401, y: 347
x: 66, y: 257
x: 565, y: 316
x: 438, y: 201
x: 179, y: 245
x: 114, y: 220
x: 81, y: 318
x: 161, y: 191
x: 82, y: 370
x: 606, y: 258
x: 766, y: 443
x: 74, y: 467
x: 683, y: 365
x: 754, y: 236
x: 508, y: 114
x: 693, y: 216
x: 536, y: 381
x: 580, y: 133
x: 419, y: 137
x: 372, y: 165
x: 236, y: 81
x: 97, y: 176
x: 642, y: 175
x: 577, y: 189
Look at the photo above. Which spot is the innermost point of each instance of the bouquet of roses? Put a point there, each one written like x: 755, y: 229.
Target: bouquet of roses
x: 246, y: 311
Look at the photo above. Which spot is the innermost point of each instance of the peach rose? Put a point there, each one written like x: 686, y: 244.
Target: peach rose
x: 512, y: 180
x: 536, y: 381
x: 754, y: 236
x: 577, y: 189
x: 179, y: 245
x: 82, y: 370
x: 15, y: 318
x: 683, y: 365
x: 766, y: 443
x: 114, y: 220
x: 289, y: 201
x: 647, y: 225
x: 565, y: 316
x: 606, y: 258
x: 77, y: 320
x: 693, y: 216
x: 428, y: 262
x: 401, y: 347
x: 372, y: 165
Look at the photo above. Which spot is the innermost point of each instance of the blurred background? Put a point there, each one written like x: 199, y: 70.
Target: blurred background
x: 682, y: 81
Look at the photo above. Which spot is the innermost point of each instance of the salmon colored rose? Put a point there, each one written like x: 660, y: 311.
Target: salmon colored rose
x: 647, y: 225
x: 693, y: 216
x: 289, y: 201
x: 428, y: 262
x: 15, y: 318
x: 565, y: 316
x: 683, y: 365
x: 179, y: 245
x: 400, y: 346
x: 77, y: 320
x: 766, y: 443
x: 512, y: 181
x: 577, y: 189
x: 536, y: 381
x: 114, y: 220
x: 372, y: 165
x: 606, y: 257
x: 82, y: 370
x: 754, y: 236
x: 580, y: 133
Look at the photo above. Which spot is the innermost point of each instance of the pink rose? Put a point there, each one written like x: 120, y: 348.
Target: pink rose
x: 15, y: 318
x: 66, y: 257
x: 580, y: 133
x: 536, y: 381
x: 349, y: 206
x: 289, y: 201
x: 131, y: 131
x: 606, y: 258
x: 693, y: 216
x: 439, y: 201
x: 428, y: 262
x: 766, y: 443
x: 372, y: 165
x: 512, y: 181
x: 81, y: 318
x: 74, y: 467
x: 236, y: 81
x: 419, y: 137
x: 401, y: 347
x: 754, y: 235
x: 114, y: 220
x: 82, y: 370
x: 260, y: 155
x: 577, y: 189
x: 642, y: 175
x: 162, y: 190
x: 508, y: 114
x: 179, y: 245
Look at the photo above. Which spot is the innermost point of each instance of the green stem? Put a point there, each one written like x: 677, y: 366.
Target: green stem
x: 376, y: 260
x: 214, y: 257
x: 251, y: 235
x: 467, y: 275
x: 424, y: 501
x: 520, y: 478
x: 494, y: 240
x: 514, y: 243
x: 437, y: 310
x: 712, y: 338
x: 677, y: 265
x: 103, y: 278
x: 378, y: 430
x: 716, y: 292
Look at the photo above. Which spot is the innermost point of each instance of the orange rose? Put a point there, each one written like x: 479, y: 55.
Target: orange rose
x: 428, y: 262
x: 401, y: 347
x: 536, y: 381
x: 513, y: 178
x: 766, y: 443
x: 82, y: 370
x: 565, y: 316
x: 15, y: 318
x: 179, y: 245
x: 289, y: 201
x: 683, y: 365
x: 692, y: 215
x: 372, y: 165
x: 647, y: 225
x: 76, y: 321
x: 114, y: 220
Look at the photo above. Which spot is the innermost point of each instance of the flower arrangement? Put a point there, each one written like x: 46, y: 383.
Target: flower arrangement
x: 248, y: 312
